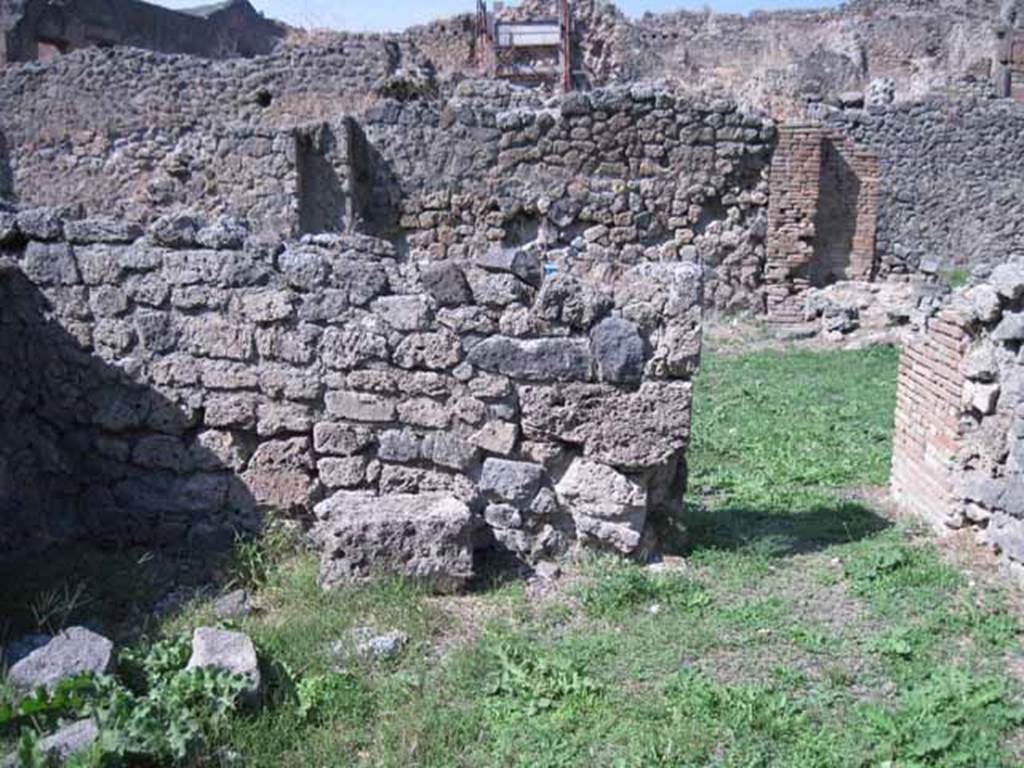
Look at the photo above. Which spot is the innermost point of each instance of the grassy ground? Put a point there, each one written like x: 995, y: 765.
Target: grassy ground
x: 801, y: 627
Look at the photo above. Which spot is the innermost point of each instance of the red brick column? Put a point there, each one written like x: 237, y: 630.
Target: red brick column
x: 928, y: 435
x: 795, y: 178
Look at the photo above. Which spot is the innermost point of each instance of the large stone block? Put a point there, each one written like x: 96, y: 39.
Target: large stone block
x: 214, y: 336
x: 353, y: 345
x: 605, y: 504
x: 630, y: 430
x: 214, y: 648
x: 50, y: 264
x: 515, y: 482
x: 554, y: 359
x: 280, y: 474
x: 74, y: 651
x: 359, y: 406
x: 618, y: 351
x: 430, y: 351
x: 428, y: 538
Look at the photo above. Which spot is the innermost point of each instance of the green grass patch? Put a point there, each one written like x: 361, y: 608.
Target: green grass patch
x: 805, y: 630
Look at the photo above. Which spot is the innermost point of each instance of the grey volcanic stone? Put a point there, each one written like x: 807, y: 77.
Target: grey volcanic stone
x: 427, y: 537
x: 605, y: 504
x: 102, y: 229
x: 1008, y: 280
x: 360, y: 406
x: 72, y: 652
x: 448, y: 450
x: 985, y: 303
x: 1006, y: 534
x: 534, y: 359
x: 64, y: 743
x: 432, y: 351
x: 981, y: 364
x: 233, y: 605
x: 618, y: 351
x: 497, y: 437
x: 568, y: 300
x: 516, y: 482
x: 400, y: 445
x: 630, y: 430
x: 9, y: 232
x: 370, y: 645
x: 404, y: 313
x: 1011, y: 328
x: 524, y: 265
x: 341, y: 439
x: 40, y: 223
x: 51, y: 264
x: 446, y: 283
x: 224, y: 649
x: 179, y: 230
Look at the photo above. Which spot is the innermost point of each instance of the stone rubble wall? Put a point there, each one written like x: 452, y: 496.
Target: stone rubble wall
x: 951, y: 184
x: 959, y: 452
x: 172, y: 385
x: 613, y: 177
x: 773, y: 60
x: 619, y: 175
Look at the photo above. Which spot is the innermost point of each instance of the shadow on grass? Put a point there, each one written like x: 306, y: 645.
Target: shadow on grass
x: 113, y: 590
x: 771, y: 532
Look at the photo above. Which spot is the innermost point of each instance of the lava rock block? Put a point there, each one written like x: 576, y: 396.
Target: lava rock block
x: 618, y: 350
x: 223, y: 649
x: 534, y: 359
x: 74, y: 651
x: 61, y: 745
x: 516, y: 482
x: 426, y: 537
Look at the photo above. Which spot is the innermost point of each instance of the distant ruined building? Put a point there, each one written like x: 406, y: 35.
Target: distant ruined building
x: 41, y: 29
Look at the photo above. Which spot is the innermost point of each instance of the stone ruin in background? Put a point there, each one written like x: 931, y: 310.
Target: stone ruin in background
x: 289, y: 281
x: 172, y: 386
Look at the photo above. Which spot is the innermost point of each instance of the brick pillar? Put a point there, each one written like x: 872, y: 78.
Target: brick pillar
x: 928, y: 435
x: 795, y: 179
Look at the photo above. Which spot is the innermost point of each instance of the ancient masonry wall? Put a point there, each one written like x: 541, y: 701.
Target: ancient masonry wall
x: 822, y: 216
x: 959, y: 450
x: 168, y: 388
x: 620, y: 175
x: 952, y: 181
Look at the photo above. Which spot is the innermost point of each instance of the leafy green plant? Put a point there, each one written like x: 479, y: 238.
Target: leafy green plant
x: 526, y: 681
x: 52, y: 608
x: 255, y: 557
x: 172, y: 719
x: 952, y: 719
x: 42, y: 709
x: 29, y: 753
x: 956, y: 277
x: 333, y: 696
x: 617, y: 587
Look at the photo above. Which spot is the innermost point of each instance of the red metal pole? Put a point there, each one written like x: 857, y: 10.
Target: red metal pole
x: 566, y: 47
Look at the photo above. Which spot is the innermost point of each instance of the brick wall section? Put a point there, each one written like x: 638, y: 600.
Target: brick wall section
x: 795, y: 176
x: 821, y: 218
x: 928, y: 434
x: 845, y: 249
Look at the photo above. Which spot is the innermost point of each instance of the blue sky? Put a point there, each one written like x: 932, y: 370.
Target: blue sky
x: 398, y: 14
